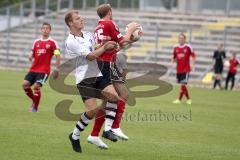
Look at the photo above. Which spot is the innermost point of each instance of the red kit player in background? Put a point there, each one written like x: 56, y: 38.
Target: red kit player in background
x: 181, y: 54
x: 41, y: 55
x: 233, y: 63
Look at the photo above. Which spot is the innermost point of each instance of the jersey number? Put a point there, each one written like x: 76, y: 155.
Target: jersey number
x: 98, y: 36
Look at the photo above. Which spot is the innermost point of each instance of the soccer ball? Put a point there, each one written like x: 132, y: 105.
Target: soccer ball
x: 226, y: 64
x: 136, y: 34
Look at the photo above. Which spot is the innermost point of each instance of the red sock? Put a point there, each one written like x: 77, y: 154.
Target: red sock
x: 181, y: 93
x: 98, y: 122
x: 29, y: 92
x: 119, y: 113
x: 186, y: 91
x: 37, y: 96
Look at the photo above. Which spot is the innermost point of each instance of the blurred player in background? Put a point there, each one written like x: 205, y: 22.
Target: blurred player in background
x: 233, y: 63
x: 107, y: 30
x: 93, y: 138
x: 41, y: 55
x: 181, y: 54
x: 218, y: 57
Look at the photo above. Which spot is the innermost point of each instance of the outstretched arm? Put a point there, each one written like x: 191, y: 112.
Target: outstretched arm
x: 30, y: 56
x: 101, y: 49
x: 57, y: 54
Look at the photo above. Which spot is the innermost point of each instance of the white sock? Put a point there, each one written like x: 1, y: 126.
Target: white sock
x: 80, y: 126
x: 110, y: 115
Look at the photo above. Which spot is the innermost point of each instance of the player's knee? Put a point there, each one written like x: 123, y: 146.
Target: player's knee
x: 36, y: 87
x: 113, y: 97
x: 25, y: 85
x: 110, y: 94
x: 91, y: 113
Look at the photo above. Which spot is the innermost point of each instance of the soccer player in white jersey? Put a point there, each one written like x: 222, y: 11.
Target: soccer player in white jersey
x: 90, y: 82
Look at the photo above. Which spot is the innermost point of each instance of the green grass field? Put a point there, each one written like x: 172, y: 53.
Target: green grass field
x: 211, y: 131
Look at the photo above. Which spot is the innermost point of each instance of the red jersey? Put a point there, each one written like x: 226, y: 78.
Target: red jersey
x: 182, y: 56
x: 107, y: 28
x: 233, y: 65
x: 43, y: 50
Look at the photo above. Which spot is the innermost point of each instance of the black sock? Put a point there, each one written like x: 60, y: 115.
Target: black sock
x: 215, y: 84
x: 232, y: 84
x: 219, y: 84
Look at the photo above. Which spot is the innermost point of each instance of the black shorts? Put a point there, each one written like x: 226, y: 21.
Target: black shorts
x: 34, y: 77
x: 218, y: 69
x: 231, y: 76
x: 92, y: 87
x: 110, y: 71
x: 182, y: 78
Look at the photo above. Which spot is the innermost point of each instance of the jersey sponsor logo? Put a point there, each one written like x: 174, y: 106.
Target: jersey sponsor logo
x: 180, y: 55
x: 48, y: 46
x: 41, y: 51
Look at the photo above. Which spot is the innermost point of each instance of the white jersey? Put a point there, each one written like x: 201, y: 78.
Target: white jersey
x: 80, y: 47
x: 121, y: 62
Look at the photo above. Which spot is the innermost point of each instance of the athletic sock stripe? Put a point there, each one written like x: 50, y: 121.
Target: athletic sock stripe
x: 112, y: 102
x: 83, y: 123
x: 110, y: 117
x: 111, y: 109
x: 86, y: 116
x: 111, y: 105
x: 111, y: 113
x: 79, y: 128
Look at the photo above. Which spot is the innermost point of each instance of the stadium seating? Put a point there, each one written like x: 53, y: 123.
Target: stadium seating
x: 160, y: 34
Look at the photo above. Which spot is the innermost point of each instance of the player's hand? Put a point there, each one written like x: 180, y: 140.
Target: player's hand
x: 110, y: 45
x: 133, y: 26
x: 55, y: 74
x: 193, y: 68
x: 30, y: 58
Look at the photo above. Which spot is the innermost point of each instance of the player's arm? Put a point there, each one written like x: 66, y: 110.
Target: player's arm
x: 193, y: 57
x: 57, y: 54
x: 238, y: 63
x: 214, y: 59
x: 101, y: 49
x: 30, y: 56
x: 173, y: 57
x: 123, y: 41
x: 172, y: 60
x: 126, y: 42
x: 193, y: 61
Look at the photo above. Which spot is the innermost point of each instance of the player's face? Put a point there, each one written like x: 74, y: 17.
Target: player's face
x: 181, y: 39
x: 77, y: 21
x: 45, y: 30
x: 220, y: 47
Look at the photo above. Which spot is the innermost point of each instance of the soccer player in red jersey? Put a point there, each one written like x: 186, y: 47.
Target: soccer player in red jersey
x: 107, y: 30
x: 181, y: 54
x: 234, y: 62
x: 42, y: 52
